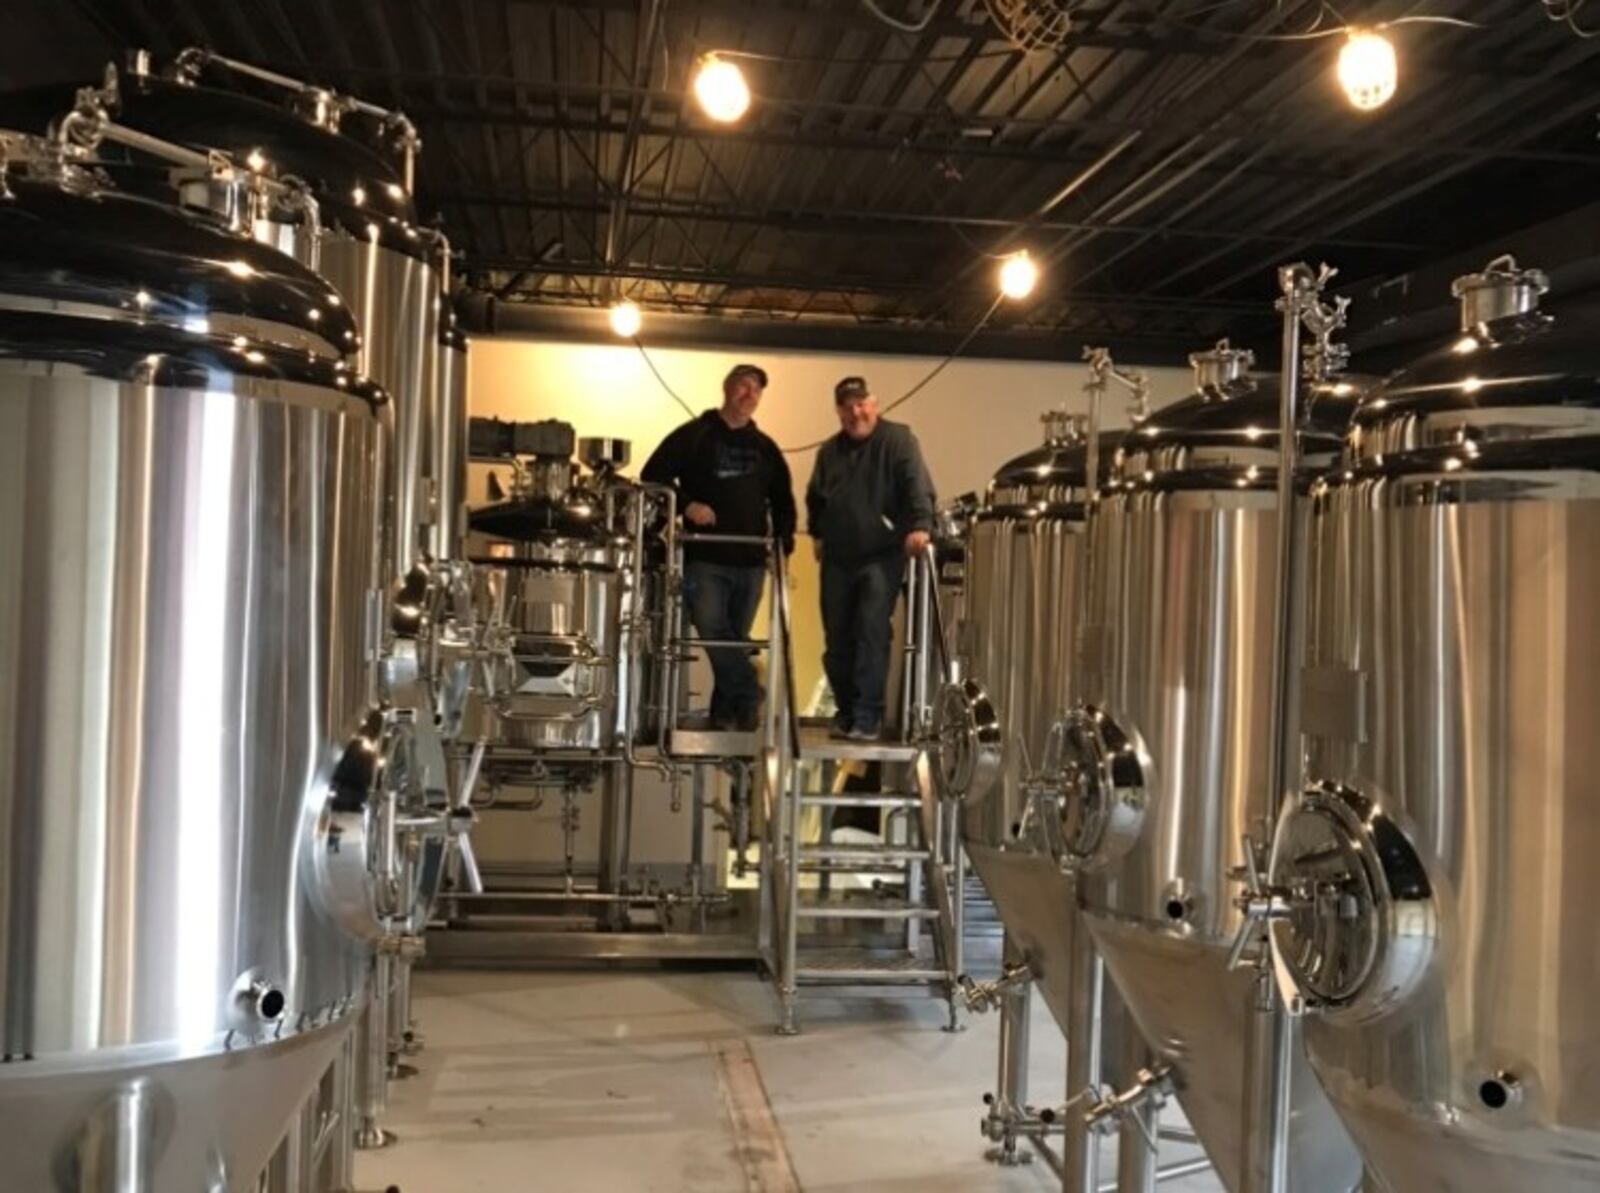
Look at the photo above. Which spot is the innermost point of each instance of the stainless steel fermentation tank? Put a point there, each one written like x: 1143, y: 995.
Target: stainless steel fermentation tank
x: 1169, y: 748
x: 356, y: 163
x: 190, y: 481
x: 1439, y: 871
x: 1025, y: 557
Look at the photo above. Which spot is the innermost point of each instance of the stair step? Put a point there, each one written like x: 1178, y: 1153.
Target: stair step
x: 714, y: 743
x: 885, y: 854
x: 885, y: 799
x: 865, y: 909
x: 865, y: 967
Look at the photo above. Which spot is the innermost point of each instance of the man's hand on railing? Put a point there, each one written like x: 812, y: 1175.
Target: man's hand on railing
x: 916, y: 543
x: 700, y: 514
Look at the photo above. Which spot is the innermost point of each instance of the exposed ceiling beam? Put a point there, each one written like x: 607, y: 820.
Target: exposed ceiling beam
x: 666, y: 329
x: 808, y: 282
x: 831, y: 220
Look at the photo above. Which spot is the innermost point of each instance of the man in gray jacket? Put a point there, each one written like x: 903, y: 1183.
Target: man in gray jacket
x: 870, y: 504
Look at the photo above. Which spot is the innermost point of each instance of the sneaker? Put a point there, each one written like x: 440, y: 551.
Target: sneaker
x: 839, y: 728
x: 863, y: 733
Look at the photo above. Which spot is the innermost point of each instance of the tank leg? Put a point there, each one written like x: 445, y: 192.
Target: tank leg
x: 787, y: 1024
x: 1080, y: 1147
x: 1137, y: 1137
x: 1009, y: 1102
x: 372, y: 1070
x: 616, y: 817
x: 1269, y: 1054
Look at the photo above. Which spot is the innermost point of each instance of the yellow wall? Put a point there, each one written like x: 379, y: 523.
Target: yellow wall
x: 975, y: 415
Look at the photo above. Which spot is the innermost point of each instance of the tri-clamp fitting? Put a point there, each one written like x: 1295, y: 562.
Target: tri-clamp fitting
x: 987, y: 996
x: 1152, y: 1086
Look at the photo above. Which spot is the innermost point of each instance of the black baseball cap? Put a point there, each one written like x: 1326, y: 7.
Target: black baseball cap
x: 738, y: 371
x: 851, y: 388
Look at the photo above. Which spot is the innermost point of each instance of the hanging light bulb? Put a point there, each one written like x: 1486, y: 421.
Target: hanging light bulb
x: 720, y: 87
x: 625, y: 319
x: 1018, y: 275
x: 1368, y: 69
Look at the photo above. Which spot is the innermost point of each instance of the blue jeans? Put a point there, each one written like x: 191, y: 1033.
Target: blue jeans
x: 722, y: 600
x: 858, y: 600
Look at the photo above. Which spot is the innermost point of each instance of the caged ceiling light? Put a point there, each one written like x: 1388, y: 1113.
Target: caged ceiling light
x: 1368, y: 69
x: 625, y: 319
x: 720, y: 88
x: 1018, y: 275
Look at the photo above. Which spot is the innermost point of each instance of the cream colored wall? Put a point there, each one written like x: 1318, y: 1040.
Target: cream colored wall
x: 973, y: 416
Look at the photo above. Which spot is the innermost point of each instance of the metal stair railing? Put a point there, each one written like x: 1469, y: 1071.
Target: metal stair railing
x: 931, y: 868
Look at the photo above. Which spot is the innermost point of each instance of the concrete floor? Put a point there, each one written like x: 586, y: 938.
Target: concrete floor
x: 671, y: 1080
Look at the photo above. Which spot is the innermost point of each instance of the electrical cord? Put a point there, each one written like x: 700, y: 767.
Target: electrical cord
x: 1567, y: 12
x: 687, y: 409
x: 896, y: 23
x: 900, y: 401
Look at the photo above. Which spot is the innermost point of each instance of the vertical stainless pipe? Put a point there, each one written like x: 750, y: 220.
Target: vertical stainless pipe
x: 1080, y: 1146
x: 1270, y: 1045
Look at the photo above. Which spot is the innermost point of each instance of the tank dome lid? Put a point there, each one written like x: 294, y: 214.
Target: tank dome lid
x: 1052, y: 475
x: 357, y: 189
x: 74, y: 247
x: 1225, y: 435
x: 1516, y: 390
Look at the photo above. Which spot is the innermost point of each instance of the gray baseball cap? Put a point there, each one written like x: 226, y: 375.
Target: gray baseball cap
x: 851, y: 388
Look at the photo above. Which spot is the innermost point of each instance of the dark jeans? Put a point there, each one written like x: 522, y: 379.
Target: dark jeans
x: 722, y: 600
x: 858, y: 600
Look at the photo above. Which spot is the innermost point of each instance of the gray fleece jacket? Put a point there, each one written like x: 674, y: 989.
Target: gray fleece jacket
x: 866, y: 496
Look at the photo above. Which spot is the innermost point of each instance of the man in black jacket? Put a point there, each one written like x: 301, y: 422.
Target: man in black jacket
x: 729, y: 478
x: 870, y: 505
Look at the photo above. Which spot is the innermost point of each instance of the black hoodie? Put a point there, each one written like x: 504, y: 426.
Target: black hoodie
x: 740, y: 473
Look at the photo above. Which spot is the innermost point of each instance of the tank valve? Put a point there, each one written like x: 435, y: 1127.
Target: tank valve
x: 1106, y: 1110
x: 987, y: 996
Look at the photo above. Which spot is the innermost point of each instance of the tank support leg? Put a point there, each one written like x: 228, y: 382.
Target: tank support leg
x: 616, y: 823
x: 372, y: 1068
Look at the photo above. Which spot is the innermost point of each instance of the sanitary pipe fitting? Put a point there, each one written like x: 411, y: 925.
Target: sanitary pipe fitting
x: 1151, y: 1086
x: 987, y: 996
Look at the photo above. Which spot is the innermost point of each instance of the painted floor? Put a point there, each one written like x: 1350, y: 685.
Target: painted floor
x: 672, y: 1080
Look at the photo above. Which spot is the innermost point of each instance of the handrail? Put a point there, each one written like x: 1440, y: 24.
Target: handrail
x: 930, y: 555
x: 781, y: 620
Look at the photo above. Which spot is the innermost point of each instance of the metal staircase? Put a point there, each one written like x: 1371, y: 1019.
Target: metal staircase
x: 882, y: 907
x: 879, y: 908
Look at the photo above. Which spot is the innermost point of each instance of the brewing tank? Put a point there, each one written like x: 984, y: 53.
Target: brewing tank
x: 370, y: 247
x: 190, y: 481
x: 551, y: 581
x: 1440, y: 865
x: 1170, y: 743
x: 1024, y: 562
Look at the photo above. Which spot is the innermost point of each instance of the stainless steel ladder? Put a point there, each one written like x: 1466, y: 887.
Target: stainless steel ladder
x: 906, y: 929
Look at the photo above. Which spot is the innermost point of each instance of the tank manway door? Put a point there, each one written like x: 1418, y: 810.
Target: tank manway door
x: 1103, y: 772
x: 1358, y: 925
x: 968, y: 742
